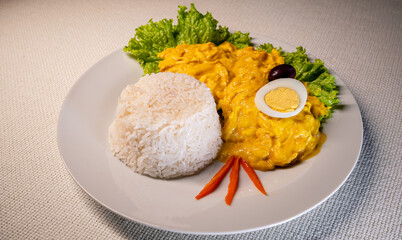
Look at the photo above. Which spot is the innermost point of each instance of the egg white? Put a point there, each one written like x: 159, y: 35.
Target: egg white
x: 291, y: 83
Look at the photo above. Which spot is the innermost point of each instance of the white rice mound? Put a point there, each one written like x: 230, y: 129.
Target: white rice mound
x: 166, y: 126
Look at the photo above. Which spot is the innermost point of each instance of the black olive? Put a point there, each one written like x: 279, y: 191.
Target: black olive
x: 282, y: 71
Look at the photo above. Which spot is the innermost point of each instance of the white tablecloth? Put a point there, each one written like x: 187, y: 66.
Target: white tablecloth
x: 46, y: 45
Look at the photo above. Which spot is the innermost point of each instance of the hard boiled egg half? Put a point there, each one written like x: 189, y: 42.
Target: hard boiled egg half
x: 281, y: 98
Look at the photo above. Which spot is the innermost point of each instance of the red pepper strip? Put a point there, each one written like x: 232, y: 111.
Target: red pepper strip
x: 217, y: 179
x: 234, y: 179
x: 253, y: 176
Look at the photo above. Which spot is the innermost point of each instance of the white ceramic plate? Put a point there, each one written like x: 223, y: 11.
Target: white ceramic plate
x: 89, y: 109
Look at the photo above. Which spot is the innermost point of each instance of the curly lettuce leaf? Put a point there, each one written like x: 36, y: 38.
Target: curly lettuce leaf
x: 192, y: 27
x: 220, y: 35
x: 268, y: 48
x: 306, y: 70
x: 149, y: 40
x: 239, y: 39
x: 324, y: 88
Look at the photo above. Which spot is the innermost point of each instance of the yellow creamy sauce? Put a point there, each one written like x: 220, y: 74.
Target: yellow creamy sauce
x: 234, y: 76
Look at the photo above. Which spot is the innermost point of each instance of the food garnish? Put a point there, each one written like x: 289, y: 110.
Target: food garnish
x: 282, y: 98
x: 217, y: 179
x: 282, y: 71
x: 234, y: 179
x: 253, y: 176
x: 234, y: 163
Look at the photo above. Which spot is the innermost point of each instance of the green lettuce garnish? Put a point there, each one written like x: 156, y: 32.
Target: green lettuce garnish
x: 192, y: 27
x: 149, y: 40
x: 268, y: 48
x: 306, y: 71
x: 239, y: 39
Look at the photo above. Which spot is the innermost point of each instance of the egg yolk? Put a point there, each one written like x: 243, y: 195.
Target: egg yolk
x: 282, y: 99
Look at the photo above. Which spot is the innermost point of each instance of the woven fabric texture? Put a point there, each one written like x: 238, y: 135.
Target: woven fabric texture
x: 45, y: 46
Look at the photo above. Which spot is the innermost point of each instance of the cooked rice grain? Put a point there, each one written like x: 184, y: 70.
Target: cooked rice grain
x: 166, y: 126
